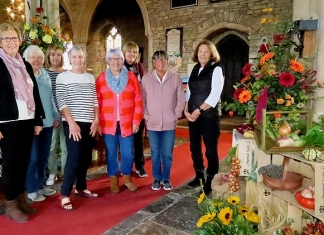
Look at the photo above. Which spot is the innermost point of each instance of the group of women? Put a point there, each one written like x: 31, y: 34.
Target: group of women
x: 116, y: 105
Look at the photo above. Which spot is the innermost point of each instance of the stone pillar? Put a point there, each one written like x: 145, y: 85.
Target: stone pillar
x: 149, y: 51
x: 52, y: 11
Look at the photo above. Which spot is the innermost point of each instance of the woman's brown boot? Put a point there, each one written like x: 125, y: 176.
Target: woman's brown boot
x: 13, y: 212
x: 24, y: 205
x: 114, y: 184
x: 128, y: 183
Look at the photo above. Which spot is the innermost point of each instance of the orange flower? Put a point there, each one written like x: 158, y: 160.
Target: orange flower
x: 280, y: 101
x: 288, y: 103
x: 46, y: 28
x: 266, y: 57
x: 256, y: 98
x: 287, y: 96
x: 34, y: 20
x: 296, y: 66
x: 245, y: 96
x: 272, y: 72
x: 245, y: 79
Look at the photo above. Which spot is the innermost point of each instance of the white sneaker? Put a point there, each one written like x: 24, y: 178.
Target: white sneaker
x: 36, y: 197
x: 47, y: 191
x: 51, y: 179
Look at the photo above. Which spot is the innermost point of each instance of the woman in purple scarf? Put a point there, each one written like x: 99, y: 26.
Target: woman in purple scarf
x: 21, y: 114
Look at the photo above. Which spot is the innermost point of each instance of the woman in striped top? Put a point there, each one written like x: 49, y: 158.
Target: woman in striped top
x: 77, y: 101
x: 53, y: 64
x: 120, y: 114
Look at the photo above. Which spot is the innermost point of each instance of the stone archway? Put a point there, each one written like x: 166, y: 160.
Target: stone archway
x: 81, y: 13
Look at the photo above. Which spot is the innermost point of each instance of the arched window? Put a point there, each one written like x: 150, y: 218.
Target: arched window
x: 114, y: 39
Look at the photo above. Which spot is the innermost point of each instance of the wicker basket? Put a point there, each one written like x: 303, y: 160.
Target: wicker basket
x: 290, y: 181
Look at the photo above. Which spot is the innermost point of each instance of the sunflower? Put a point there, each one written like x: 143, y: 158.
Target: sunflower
x: 225, y: 215
x: 205, y: 219
x: 234, y: 200
x: 251, y: 216
x: 245, y: 96
x: 201, y: 198
x: 243, y: 209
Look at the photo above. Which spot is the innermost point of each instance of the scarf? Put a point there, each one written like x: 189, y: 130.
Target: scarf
x: 117, y: 84
x: 22, y: 83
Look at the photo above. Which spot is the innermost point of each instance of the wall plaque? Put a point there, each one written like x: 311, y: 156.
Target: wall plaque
x: 183, y: 3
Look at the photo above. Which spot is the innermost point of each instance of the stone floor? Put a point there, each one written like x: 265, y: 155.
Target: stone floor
x: 174, y: 214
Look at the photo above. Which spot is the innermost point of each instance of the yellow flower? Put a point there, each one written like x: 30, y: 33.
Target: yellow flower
x: 263, y: 20
x: 225, y: 215
x: 280, y: 101
x: 47, y: 38
x: 234, y: 200
x: 201, y: 198
x: 51, y: 32
x: 205, y: 219
x: 26, y: 27
x: 33, y: 34
x: 287, y: 96
x: 251, y: 216
x: 267, y: 9
x: 292, y: 99
x: 271, y: 72
x: 243, y: 209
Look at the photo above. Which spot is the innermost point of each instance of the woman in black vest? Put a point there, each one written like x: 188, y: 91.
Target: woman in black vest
x: 202, y: 110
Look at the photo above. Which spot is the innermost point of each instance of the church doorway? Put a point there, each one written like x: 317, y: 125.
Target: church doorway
x: 234, y: 53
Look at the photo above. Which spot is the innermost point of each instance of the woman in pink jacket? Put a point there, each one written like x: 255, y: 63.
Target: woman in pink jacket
x: 163, y: 102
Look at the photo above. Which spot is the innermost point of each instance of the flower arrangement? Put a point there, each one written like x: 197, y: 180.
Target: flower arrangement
x: 226, y: 217
x: 276, y: 79
x: 175, y: 61
x: 36, y: 32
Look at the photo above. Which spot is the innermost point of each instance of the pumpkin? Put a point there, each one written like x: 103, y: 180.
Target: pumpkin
x: 305, y: 202
x: 311, y: 154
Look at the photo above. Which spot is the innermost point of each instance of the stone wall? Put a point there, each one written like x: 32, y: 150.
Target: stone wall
x: 241, y: 15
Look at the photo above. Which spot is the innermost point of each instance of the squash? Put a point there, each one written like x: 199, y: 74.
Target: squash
x: 311, y: 154
x: 305, y: 202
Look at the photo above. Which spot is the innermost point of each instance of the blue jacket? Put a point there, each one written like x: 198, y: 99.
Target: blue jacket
x: 45, y: 90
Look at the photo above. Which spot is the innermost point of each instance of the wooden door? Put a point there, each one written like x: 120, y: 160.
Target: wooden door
x: 234, y: 53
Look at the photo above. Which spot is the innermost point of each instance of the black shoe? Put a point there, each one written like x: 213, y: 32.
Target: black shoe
x: 141, y: 173
x: 207, y: 187
x: 196, y: 182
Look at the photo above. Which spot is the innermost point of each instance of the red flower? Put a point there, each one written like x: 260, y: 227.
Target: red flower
x: 39, y: 10
x: 277, y: 38
x: 264, y: 48
x: 237, y: 92
x: 231, y: 113
x: 286, y: 79
x: 246, y: 70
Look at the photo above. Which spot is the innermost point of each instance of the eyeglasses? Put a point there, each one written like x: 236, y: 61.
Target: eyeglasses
x: 8, y: 39
x: 115, y: 59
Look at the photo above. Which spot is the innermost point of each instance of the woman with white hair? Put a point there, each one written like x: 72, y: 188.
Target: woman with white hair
x: 120, y: 114
x: 77, y: 101
x: 35, y: 178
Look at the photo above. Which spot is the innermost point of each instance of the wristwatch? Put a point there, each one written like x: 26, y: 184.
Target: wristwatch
x: 201, y: 110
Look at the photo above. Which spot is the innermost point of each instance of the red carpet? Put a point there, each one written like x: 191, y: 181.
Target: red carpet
x: 95, y: 216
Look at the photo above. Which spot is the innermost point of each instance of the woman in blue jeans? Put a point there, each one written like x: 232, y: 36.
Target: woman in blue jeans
x: 163, y: 102
x: 35, y: 178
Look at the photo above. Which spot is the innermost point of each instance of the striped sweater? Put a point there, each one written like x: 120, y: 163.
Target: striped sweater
x: 53, y: 75
x: 77, y: 92
x: 129, y: 105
